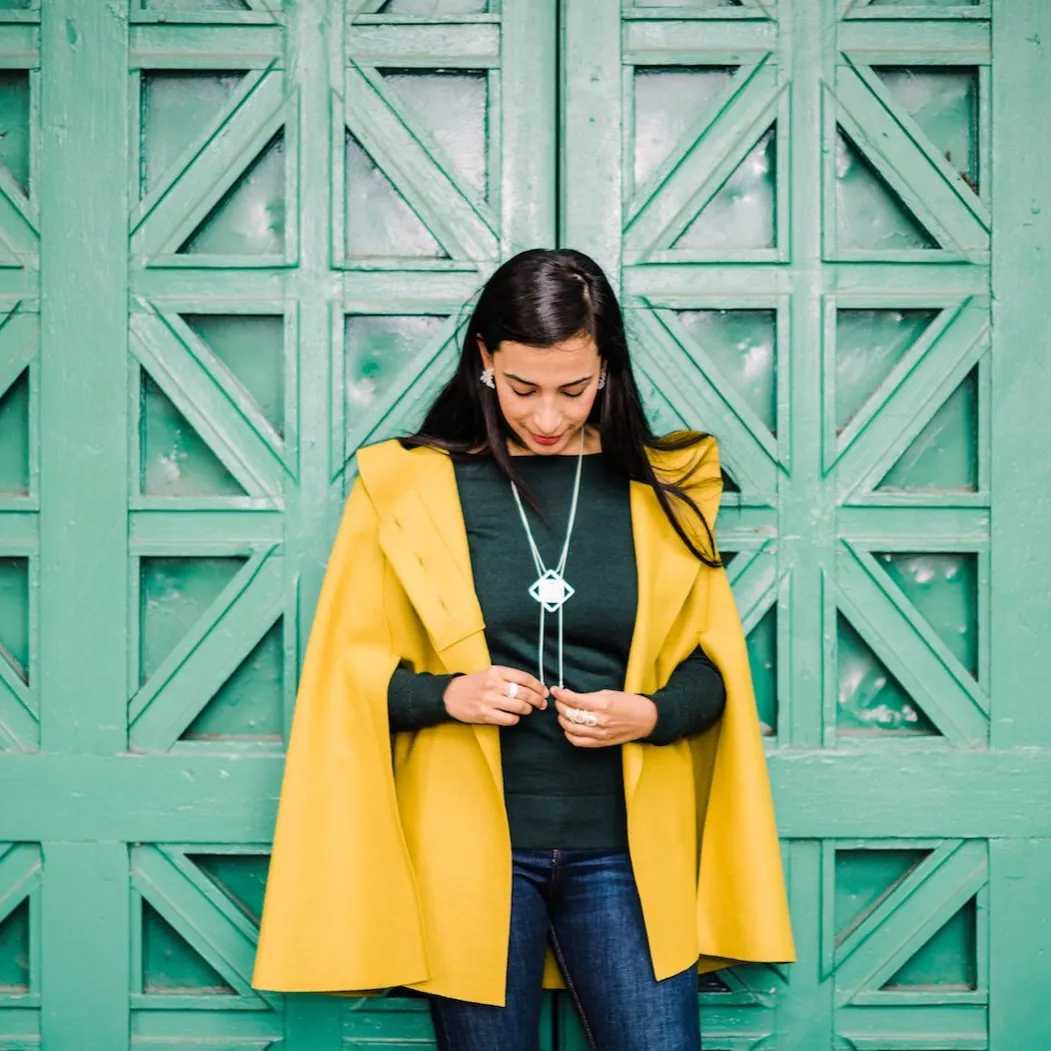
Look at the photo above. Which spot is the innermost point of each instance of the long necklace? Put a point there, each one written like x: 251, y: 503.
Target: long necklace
x: 551, y: 589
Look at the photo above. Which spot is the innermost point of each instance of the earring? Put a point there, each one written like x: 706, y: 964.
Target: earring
x: 602, y: 378
x: 487, y: 378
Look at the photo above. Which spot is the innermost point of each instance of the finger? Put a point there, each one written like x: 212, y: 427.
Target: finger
x: 523, y: 678
x: 499, y: 718
x: 587, y: 701
x: 530, y: 700
x: 528, y: 694
x: 597, y: 733
x: 564, y: 710
x: 501, y: 703
x: 582, y: 742
x: 529, y: 688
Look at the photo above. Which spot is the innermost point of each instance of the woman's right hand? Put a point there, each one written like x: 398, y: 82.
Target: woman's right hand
x: 483, y: 697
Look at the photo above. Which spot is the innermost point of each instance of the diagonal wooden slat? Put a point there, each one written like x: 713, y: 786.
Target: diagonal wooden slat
x: 698, y: 393
x: 835, y: 445
x: 755, y: 986
x: 210, y: 652
x: 753, y: 577
x: 214, y: 169
x: 693, y: 135
x: 19, y: 344
x: 918, y: 139
x: 222, y: 935
x: 913, y: 402
x: 249, y: 452
x: 453, y: 219
x: 22, y: 210
x: 268, y: 7
x: 930, y: 192
x: 19, y: 711
x: 429, y: 144
x: 700, y: 358
x: 909, y: 916
x: 244, y: 404
x: 707, y: 164
x: 20, y: 871
x: 355, y: 8
x: 206, y: 136
x: 947, y: 694
x: 901, y: 605
x: 405, y: 396
x: 19, y: 226
x: 843, y: 945
x: 766, y: 7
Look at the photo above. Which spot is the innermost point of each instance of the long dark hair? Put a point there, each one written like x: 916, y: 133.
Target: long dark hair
x: 541, y: 297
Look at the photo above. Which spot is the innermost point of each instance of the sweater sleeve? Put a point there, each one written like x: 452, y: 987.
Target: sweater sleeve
x: 416, y: 700
x: 690, y: 703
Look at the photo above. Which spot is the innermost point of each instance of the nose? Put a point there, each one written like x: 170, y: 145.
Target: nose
x: 547, y: 420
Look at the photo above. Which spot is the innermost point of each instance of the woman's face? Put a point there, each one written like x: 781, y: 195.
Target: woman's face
x: 546, y: 393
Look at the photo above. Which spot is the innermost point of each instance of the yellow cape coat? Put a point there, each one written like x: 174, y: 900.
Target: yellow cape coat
x: 394, y: 869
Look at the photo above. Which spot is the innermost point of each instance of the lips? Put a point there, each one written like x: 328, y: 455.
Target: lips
x: 541, y: 440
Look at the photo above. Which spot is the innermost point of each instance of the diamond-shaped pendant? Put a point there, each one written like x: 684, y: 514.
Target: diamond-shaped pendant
x: 551, y: 591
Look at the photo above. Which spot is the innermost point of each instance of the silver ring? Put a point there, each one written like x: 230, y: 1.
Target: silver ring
x: 512, y: 690
x: 581, y: 717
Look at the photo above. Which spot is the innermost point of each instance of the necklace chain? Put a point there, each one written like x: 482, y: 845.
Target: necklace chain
x: 551, y: 589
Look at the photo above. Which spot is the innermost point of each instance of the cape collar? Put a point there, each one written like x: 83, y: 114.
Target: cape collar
x: 423, y: 536
x: 422, y: 533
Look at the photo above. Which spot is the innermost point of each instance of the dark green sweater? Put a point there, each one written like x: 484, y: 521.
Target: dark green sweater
x: 558, y: 795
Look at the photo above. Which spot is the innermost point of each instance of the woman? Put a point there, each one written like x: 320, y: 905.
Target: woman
x: 527, y: 594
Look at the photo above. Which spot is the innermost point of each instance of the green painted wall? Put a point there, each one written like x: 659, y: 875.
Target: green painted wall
x: 235, y: 236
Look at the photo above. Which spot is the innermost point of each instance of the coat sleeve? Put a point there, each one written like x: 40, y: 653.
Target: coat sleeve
x: 690, y: 703
x: 341, y: 911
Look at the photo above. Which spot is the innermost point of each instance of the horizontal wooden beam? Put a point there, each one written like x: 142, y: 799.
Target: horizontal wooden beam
x: 668, y: 43
x: 882, y: 789
x: 212, y: 47
x: 471, y: 46
x: 919, y: 42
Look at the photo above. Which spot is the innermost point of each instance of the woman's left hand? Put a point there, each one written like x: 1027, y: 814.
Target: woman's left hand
x: 619, y: 717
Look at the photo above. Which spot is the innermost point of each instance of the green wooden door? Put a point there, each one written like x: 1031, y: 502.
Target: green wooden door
x: 802, y: 198
x: 234, y: 239
x: 234, y: 236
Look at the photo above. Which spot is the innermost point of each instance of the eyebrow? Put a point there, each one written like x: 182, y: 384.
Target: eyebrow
x: 530, y: 383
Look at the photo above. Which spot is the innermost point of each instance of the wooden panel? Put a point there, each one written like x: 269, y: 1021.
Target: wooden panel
x: 234, y: 239
x: 802, y: 226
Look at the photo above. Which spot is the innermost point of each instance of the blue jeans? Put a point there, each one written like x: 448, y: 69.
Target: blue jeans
x: 587, y: 903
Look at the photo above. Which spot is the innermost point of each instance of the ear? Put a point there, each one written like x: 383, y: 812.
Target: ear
x: 487, y: 358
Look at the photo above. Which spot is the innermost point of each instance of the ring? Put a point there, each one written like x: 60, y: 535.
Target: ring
x: 512, y: 690
x: 581, y: 717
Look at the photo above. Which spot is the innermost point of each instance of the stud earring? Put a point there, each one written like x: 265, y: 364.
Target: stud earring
x: 602, y: 379
x: 487, y: 378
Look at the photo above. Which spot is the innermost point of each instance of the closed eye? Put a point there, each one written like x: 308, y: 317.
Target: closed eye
x: 530, y: 393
